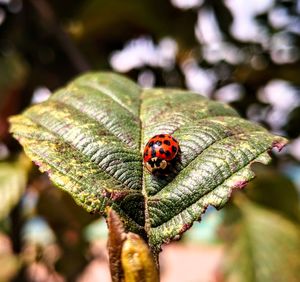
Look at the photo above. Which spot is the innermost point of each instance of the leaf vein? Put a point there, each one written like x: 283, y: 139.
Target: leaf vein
x: 212, y: 190
x: 105, y: 91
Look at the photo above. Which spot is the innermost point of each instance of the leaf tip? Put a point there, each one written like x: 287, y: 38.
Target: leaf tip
x: 279, y: 143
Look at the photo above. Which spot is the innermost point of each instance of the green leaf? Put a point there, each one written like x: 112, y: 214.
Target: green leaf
x: 13, y: 179
x: 89, y: 138
x: 263, y: 246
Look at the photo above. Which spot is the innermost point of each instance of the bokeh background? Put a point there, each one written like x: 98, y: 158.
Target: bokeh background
x: 246, y: 53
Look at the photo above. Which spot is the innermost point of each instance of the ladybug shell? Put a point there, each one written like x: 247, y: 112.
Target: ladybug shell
x: 160, y: 147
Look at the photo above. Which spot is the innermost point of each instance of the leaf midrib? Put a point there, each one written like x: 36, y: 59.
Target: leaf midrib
x: 147, y: 224
x: 105, y: 91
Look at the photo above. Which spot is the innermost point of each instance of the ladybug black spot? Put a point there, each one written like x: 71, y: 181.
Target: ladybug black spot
x: 153, y: 154
x: 158, y: 161
x: 161, y: 150
x: 158, y: 143
x: 167, y: 142
x: 174, y: 149
x: 151, y: 163
x: 151, y: 144
x: 168, y: 153
x: 161, y: 136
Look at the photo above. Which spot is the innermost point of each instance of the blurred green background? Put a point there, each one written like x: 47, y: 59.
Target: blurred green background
x: 246, y: 53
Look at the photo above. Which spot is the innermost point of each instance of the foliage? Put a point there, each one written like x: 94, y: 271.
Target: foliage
x: 264, y: 245
x: 13, y: 180
x: 262, y: 232
x: 89, y: 136
x: 196, y: 45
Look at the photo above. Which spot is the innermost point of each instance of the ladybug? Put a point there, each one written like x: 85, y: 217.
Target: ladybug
x: 159, y: 152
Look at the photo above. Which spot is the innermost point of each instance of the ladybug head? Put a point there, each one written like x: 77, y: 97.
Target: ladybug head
x: 155, y: 164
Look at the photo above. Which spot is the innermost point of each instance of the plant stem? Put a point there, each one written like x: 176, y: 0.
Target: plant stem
x: 50, y: 21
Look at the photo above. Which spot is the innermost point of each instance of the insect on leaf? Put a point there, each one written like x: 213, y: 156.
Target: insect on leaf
x: 90, y: 135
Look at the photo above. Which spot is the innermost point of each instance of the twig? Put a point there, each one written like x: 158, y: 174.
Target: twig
x: 50, y: 21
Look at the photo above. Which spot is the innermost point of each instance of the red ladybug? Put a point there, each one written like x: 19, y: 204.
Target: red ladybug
x: 159, y: 152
